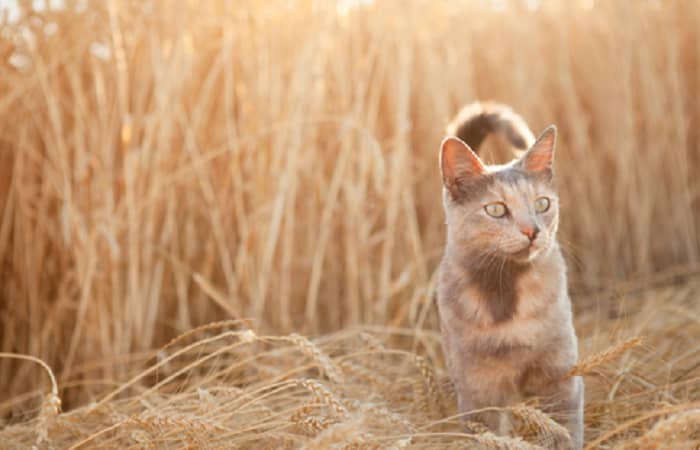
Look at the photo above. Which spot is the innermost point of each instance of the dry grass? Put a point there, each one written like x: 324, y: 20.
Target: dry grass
x: 225, y: 386
x: 275, y: 163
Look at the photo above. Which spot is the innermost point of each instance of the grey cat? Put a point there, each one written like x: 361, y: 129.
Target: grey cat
x: 504, y: 307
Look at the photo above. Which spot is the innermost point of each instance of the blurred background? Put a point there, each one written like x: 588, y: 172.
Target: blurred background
x: 164, y: 164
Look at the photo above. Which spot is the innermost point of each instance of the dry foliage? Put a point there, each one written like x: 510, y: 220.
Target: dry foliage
x: 224, y: 386
x: 275, y: 163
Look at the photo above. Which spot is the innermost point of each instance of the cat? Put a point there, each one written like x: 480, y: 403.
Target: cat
x: 505, y: 314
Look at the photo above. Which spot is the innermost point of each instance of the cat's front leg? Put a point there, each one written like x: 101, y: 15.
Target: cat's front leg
x: 480, y: 398
x: 562, y: 399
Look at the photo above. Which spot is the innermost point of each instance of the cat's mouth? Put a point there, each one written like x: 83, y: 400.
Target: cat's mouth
x: 526, y: 254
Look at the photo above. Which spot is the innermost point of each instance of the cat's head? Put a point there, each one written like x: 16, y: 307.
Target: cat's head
x: 498, y: 212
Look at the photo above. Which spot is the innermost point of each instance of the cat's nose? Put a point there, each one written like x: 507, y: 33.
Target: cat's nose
x: 530, y: 231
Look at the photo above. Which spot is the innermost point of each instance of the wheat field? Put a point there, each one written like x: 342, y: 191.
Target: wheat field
x: 260, y: 178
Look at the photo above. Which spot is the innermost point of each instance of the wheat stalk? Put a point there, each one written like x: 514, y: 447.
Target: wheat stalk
x: 340, y: 435
x: 610, y: 354
x: 671, y: 432
x: 50, y: 405
x: 489, y: 440
x: 203, y: 328
x: 432, y: 395
x: 549, y: 432
x: 324, y: 396
x: 322, y: 360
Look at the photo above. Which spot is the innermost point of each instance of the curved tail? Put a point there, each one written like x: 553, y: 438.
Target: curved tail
x: 477, y: 120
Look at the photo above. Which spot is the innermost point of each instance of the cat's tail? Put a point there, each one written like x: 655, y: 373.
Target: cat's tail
x: 479, y: 119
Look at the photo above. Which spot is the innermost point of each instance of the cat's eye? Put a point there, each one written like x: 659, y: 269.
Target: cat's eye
x: 496, y: 209
x: 542, y: 204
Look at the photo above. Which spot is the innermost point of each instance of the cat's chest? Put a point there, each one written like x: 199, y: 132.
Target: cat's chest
x: 532, y: 325
x: 511, y: 337
x: 524, y: 303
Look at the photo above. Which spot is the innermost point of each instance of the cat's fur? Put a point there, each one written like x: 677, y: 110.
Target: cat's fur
x: 505, y: 313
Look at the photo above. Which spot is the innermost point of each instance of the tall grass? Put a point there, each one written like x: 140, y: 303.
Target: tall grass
x: 224, y: 386
x: 276, y: 161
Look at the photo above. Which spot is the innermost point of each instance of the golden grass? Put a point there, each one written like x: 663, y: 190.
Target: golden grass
x: 378, y: 387
x: 274, y: 164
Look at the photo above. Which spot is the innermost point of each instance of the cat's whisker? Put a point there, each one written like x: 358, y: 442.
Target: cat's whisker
x: 572, y: 254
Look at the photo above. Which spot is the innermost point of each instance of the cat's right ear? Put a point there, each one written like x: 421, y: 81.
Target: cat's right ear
x: 459, y: 165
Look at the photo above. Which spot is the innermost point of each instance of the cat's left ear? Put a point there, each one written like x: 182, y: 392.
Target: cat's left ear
x: 539, y: 159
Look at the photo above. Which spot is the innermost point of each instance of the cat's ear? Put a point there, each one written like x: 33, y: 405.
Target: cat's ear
x: 459, y: 165
x: 539, y: 159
